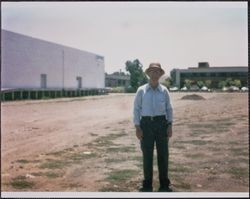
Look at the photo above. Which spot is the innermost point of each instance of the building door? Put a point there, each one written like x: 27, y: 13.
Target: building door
x: 43, y: 81
x: 79, y: 82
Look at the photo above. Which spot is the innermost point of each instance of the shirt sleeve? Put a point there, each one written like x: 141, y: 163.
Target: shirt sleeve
x: 169, y: 108
x: 137, y: 108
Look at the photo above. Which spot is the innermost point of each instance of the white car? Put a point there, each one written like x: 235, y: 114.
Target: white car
x: 204, y: 88
x: 173, y: 89
x: 184, y: 88
x: 244, y: 89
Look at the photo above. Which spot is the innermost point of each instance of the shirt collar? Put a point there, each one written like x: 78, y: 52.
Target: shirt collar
x: 157, y: 88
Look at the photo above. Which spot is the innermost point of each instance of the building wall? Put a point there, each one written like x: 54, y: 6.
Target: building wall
x: 215, y: 74
x: 24, y: 59
x: 113, y: 80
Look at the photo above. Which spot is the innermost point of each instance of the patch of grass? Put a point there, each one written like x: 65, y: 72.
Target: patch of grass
x: 121, y: 149
x: 52, y: 174
x: 115, y: 160
x: 195, y: 142
x: 239, y: 151
x: 179, y: 147
x: 22, y: 161
x: 200, y: 125
x: 37, y: 174
x: 102, y: 142
x: 121, y: 175
x: 80, y: 156
x: 54, y: 164
x: 140, y: 165
x: 20, y: 182
x: 116, y: 135
x: 211, y: 126
x: 137, y: 158
x: 241, y: 160
x: 179, y: 168
x: 195, y: 155
x: 57, y: 153
x: 48, y: 174
x: 233, y: 143
x: 183, y: 185
x: 239, y: 172
x: 69, y: 149
x: 107, y: 140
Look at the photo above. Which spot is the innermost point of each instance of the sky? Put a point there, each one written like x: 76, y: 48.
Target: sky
x: 175, y: 34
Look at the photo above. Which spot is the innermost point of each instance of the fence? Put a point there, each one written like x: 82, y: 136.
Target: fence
x: 22, y: 94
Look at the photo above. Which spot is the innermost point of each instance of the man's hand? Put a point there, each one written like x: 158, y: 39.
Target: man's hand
x: 169, y: 131
x: 139, y: 133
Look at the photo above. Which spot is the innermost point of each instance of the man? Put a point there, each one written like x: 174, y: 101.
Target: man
x: 153, y: 122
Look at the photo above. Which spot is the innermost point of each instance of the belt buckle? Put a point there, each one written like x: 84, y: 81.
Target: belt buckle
x: 152, y: 118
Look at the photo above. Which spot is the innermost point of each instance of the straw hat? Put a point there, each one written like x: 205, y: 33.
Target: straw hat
x: 154, y: 66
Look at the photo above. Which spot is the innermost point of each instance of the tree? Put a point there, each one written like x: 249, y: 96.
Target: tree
x: 137, y: 76
x: 222, y: 84
x: 229, y: 82
x: 237, y: 83
x: 187, y: 83
x: 168, y: 82
x: 208, y: 83
x: 200, y: 84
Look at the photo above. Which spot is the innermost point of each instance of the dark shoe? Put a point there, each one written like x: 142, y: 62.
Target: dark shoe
x: 146, y: 186
x: 165, y: 189
x: 145, y: 189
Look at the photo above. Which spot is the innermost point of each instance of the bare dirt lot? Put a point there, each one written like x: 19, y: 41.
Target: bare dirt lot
x: 88, y: 144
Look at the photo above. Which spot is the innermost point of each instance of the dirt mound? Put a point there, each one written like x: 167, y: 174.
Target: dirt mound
x: 192, y: 97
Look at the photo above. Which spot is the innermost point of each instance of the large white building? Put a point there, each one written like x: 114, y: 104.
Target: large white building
x: 30, y: 63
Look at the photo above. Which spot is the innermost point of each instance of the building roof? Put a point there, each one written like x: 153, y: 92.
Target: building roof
x: 114, y: 76
x: 49, y: 42
x: 215, y: 69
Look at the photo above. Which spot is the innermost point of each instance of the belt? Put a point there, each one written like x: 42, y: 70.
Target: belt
x: 155, y: 118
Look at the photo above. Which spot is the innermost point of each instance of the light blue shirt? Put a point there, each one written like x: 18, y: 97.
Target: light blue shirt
x: 152, y: 102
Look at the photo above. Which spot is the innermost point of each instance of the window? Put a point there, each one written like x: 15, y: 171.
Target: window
x: 79, y: 82
x: 43, y: 80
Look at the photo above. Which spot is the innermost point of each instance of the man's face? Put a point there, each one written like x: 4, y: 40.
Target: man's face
x: 154, y: 74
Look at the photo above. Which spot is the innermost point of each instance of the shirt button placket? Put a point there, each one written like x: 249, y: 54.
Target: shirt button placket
x: 154, y: 103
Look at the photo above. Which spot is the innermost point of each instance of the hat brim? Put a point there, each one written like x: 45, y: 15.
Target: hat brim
x: 154, y: 68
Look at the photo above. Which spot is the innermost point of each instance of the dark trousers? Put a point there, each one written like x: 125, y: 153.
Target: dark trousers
x: 155, y: 131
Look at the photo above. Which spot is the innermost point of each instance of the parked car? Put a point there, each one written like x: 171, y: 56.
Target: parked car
x: 184, y: 88
x: 244, y: 89
x: 194, y: 88
x: 233, y: 88
x: 204, y: 88
x: 174, y: 89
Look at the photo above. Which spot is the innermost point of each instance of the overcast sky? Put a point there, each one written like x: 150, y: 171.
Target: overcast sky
x: 176, y: 34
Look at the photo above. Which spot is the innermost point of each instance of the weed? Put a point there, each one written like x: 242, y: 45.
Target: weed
x: 52, y: 174
x: 22, y: 161
x: 81, y: 156
x: 195, y: 156
x: 20, y: 182
x: 121, y: 175
x: 121, y: 149
x: 179, y: 169
x: 239, y: 172
x: 183, y: 185
x: 114, y: 160
x: 54, y: 164
x: 195, y: 142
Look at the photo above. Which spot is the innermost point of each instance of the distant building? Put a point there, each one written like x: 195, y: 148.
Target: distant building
x: 117, y: 79
x: 205, y: 72
x: 30, y: 63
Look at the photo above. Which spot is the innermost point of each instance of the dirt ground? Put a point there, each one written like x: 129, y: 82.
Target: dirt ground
x: 88, y: 144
